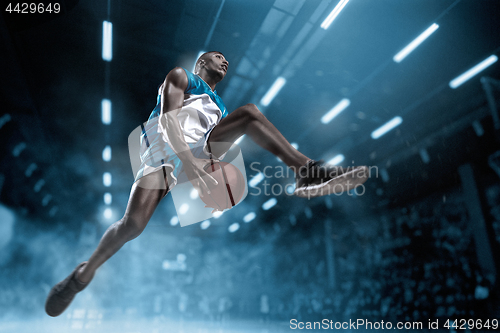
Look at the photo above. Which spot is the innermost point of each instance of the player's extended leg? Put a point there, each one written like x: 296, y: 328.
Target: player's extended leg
x: 144, y: 198
x: 250, y: 121
x: 314, y: 178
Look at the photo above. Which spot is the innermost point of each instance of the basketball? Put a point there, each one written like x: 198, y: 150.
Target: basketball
x: 230, y: 188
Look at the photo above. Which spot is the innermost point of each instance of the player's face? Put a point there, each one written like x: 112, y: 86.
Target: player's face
x: 218, y: 63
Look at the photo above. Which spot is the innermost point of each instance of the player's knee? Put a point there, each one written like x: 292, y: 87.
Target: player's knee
x: 252, y: 111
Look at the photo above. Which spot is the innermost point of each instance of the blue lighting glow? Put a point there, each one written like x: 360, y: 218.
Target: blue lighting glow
x: 459, y: 80
x: 334, y: 13
x: 205, y: 224
x: 391, y: 124
x: 273, y: 91
x: 108, y: 213
x: 341, y: 106
x: 269, y: 204
x: 234, y: 227
x: 107, y: 39
x: 106, y: 154
x: 108, y: 198
x: 415, y: 43
x: 336, y: 160
x: 256, y: 179
x: 107, y: 179
x: 183, y: 209
x: 249, y: 217
x: 106, y: 111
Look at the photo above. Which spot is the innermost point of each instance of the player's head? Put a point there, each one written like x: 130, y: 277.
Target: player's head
x: 213, y: 62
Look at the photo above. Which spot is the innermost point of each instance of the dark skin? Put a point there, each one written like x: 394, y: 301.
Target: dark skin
x: 145, y: 195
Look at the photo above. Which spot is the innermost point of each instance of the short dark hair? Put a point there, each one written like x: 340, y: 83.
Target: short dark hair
x: 202, y: 57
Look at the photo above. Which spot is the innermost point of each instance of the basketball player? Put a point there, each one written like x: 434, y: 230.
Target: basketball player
x: 189, y: 114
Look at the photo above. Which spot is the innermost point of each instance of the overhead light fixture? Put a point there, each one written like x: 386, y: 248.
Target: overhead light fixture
x: 106, y: 179
x: 183, y: 209
x: 256, y: 179
x: 249, y: 217
x: 205, y: 224
x: 269, y: 204
x: 273, y: 91
x: 234, y: 227
x: 108, y: 213
x: 107, y: 39
x: 174, y: 221
x: 336, y: 160
x: 106, y: 111
x: 391, y: 124
x: 193, y: 194
x: 108, y: 198
x: 341, y: 106
x: 334, y: 13
x: 415, y: 43
x: 459, y: 80
x: 106, y: 154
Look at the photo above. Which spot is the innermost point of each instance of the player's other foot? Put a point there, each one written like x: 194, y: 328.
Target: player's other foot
x: 61, y: 295
x: 317, y: 178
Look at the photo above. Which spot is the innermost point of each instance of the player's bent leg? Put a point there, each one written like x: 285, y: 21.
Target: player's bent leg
x: 249, y: 120
x: 141, y: 205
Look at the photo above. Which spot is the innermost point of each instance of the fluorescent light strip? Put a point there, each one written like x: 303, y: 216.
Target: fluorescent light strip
x: 256, y: 179
x: 341, y: 106
x: 234, y: 227
x: 459, y: 80
x: 335, y: 12
x: 249, y: 217
x: 106, y: 111
x: 107, y: 39
x: 336, y: 160
x: 107, y: 179
x: 199, y: 55
x: 273, y: 91
x: 106, y: 154
x: 108, y: 198
x: 269, y: 204
x: 391, y: 124
x: 415, y: 43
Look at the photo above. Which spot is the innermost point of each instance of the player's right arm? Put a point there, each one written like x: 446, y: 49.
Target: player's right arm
x: 172, y: 99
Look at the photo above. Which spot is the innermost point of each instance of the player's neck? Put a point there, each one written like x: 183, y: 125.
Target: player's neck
x: 209, y: 79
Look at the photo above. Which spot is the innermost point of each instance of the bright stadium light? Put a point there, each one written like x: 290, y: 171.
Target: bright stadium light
x: 107, y: 179
x: 269, y: 204
x: 205, y: 224
x: 341, y: 106
x: 183, y: 209
x: 234, y: 227
x: 334, y: 13
x: 394, y: 122
x: 459, y: 80
x: 336, y: 160
x: 106, y: 154
x: 107, y: 39
x: 415, y: 43
x: 194, y: 194
x: 273, y: 91
x: 249, y: 217
x: 108, y: 213
x: 106, y: 111
x: 256, y: 179
x: 108, y: 198
x: 174, y: 221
